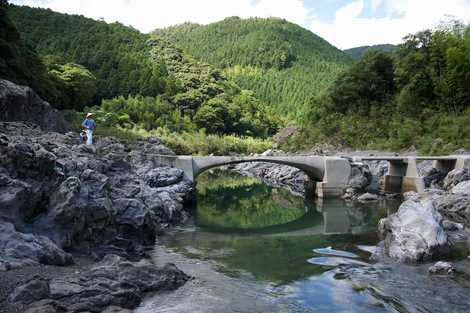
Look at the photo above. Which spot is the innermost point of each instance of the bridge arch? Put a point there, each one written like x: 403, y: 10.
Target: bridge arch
x: 331, y: 174
x: 312, y: 166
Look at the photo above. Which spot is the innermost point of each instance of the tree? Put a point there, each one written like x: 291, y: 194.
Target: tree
x: 367, y: 83
x: 78, y: 85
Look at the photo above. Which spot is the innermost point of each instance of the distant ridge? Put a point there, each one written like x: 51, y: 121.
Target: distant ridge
x: 358, y: 52
x: 283, y: 63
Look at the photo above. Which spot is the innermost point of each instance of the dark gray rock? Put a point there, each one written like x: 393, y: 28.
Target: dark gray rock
x: 451, y: 226
x: 20, y: 103
x: 368, y: 197
x: 158, y: 178
x: 114, y: 285
x: 442, y: 268
x: 455, y: 207
x: 116, y: 195
x: 19, y: 249
x: 434, y: 178
x: 456, y: 176
x: 360, y: 178
x: 34, y: 290
x: 154, y: 140
x: 462, y: 188
x: 414, y: 233
x: 276, y: 174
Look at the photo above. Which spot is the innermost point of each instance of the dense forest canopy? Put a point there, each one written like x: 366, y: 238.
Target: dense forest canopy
x: 418, y: 96
x: 242, y: 77
x: 19, y: 62
x: 284, y: 64
x: 141, y: 81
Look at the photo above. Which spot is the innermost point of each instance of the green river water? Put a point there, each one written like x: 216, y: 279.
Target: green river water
x: 255, y: 248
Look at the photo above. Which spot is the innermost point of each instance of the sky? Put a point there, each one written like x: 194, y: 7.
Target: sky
x: 344, y: 23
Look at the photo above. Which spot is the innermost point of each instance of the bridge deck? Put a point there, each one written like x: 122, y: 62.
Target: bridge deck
x: 401, y: 158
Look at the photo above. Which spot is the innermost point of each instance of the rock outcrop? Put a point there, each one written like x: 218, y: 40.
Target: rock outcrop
x: 20, y: 103
x: 18, y: 249
x: 276, y: 174
x: 112, y: 285
x: 442, y: 268
x: 455, y: 177
x: 414, y: 233
x: 112, y: 196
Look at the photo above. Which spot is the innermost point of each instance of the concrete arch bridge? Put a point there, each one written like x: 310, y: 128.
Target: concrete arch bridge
x: 330, y: 174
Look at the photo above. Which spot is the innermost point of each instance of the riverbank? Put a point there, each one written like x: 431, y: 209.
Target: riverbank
x: 66, y: 206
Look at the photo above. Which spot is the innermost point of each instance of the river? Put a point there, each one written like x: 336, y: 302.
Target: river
x: 255, y: 248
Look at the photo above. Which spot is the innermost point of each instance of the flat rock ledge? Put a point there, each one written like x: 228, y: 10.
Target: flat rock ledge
x: 113, y: 285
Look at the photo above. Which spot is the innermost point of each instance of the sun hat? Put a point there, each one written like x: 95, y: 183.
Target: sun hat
x: 89, y: 114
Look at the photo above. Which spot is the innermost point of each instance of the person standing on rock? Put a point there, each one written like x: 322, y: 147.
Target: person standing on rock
x: 89, y: 126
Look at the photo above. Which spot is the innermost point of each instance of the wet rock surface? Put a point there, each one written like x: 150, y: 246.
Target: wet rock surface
x: 113, y: 285
x: 112, y: 195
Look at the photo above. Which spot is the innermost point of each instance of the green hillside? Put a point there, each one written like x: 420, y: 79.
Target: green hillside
x: 358, y: 52
x: 18, y: 62
x: 116, y: 54
x: 142, y: 81
x: 283, y: 63
x: 418, y: 96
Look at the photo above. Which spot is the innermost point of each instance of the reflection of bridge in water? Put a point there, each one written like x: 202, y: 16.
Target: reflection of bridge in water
x: 322, y: 217
x: 331, y: 174
x: 338, y: 219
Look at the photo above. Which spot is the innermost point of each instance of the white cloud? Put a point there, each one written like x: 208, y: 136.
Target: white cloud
x: 402, y: 17
x: 348, y: 29
x: 148, y: 15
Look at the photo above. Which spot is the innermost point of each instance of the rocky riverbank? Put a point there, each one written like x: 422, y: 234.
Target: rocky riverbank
x: 65, y: 206
x: 59, y: 198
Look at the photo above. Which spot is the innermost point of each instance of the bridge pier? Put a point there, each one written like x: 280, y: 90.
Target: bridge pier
x: 331, y: 174
x: 335, y: 178
x: 403, y: 176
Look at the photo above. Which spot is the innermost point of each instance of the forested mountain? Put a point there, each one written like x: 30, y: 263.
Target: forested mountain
x: 283, y: 63
x: 417, y: 96
x: 117, y: 55
x: 18, y: 62
x: 358, y: 52
x: 140, y: 80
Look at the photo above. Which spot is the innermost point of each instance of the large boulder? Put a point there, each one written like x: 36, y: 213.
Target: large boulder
x: 283, y: 135
x: 462, y: 188
x: 414, y: 233
x: 19, y: 249
x: 360, y: 177
x: 455, y: 177
x: 111, y: 285
x: 20, y: 103
x: 455, y: 207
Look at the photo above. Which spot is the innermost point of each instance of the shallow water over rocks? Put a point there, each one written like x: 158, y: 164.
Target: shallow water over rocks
x: 254, y: 248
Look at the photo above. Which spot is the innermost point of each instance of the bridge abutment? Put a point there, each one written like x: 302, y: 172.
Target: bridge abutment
x: 335, y: 179
x: 403, y: 176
